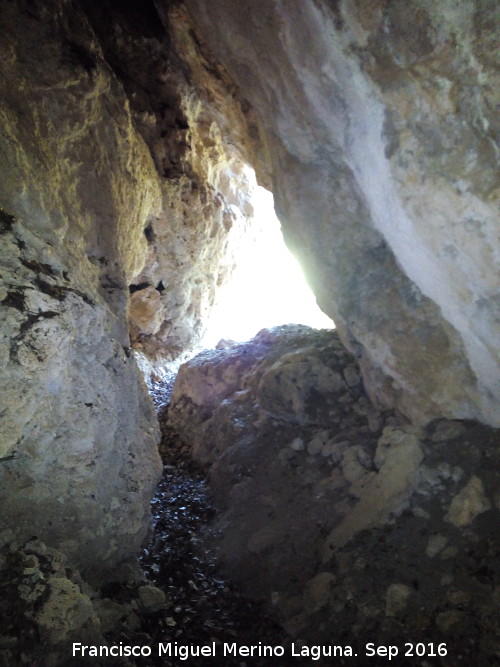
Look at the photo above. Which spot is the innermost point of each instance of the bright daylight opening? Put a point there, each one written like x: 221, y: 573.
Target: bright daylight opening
x: 268, y: 286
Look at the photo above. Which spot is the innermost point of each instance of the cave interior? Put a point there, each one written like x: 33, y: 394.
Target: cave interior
x: 340, y: 486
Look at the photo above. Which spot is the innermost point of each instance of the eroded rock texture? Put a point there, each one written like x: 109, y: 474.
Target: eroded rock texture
x: 123, y: 195
x: 383, y: 132
x: 348, y: 522
x: 78, y: 433
x: 201, y: 134
x: 46, y: 606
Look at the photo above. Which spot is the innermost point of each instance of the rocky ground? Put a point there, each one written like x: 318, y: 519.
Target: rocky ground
x: 183, y: 600
x: 291, y: 511
x: 349, y: 523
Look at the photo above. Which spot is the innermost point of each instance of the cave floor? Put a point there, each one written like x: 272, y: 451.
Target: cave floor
x: 202, y: 607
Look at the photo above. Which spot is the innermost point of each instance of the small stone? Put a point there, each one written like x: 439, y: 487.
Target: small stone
x: 468, y: 503
x: 297, y: 445
x: 396, y: 599
x: 448, y: 430
x: 31, y: 561
x: 315, y: 446
x: 435, y: 544
x: 65, y: 611
x: 27, y: 571
x: 334, y: 449
x: 110, y: 613
x: 151, y: 599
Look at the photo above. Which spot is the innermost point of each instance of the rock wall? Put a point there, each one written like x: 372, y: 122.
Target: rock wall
x: 78, y: 458
x: 350, y: 524
x: 383, y: 138
x: 124, y: 194
x: 201, y: 134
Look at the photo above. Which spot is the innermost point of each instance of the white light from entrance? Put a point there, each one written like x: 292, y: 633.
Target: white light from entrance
x: 267, y: 287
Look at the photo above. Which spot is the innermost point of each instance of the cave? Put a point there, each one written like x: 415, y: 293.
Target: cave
x: 352, y: 474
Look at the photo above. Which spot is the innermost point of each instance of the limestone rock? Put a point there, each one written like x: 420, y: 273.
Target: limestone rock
x: 151, y: 599
x: 65, y: 613
x: 257, y: 413
x: 383, y: 141
x: 327, y: 521
x: 381, y: 492
x: 436, y: 544
x: 201, y: 135
x: 78, y: 433
x: 146, y: 313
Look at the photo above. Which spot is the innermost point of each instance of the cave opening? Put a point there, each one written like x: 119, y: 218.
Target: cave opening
x: 267, y: 287
x: 353, y: 472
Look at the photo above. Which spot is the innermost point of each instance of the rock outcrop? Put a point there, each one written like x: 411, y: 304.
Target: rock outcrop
x: 383, y: 136
x: 202, y: 135
x: 46, y: 606
x: 348, y: 522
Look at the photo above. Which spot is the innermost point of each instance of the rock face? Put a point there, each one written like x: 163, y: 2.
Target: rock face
x: 78, y: 459
x: 126, y: 136
x: 383, y: 137
x: 335, y: 514
x: 120, y: 174
x: 201, y: 135
x: 46, y: 606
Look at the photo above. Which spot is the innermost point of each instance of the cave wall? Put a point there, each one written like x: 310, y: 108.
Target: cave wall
x: 78, y: 458
x: 382, y: 127
x: 342, y: 519
x: 202, y: 135
x: 119, y: 174
x: 125, y: 146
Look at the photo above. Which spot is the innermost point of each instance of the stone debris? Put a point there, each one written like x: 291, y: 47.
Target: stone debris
x: 397, y: 599
x: 435, y: 545
x: 468, y: 503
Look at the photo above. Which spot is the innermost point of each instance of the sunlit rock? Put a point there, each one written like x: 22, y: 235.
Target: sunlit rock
x: 383, y: 140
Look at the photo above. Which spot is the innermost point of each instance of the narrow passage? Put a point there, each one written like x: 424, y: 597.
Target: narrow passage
x: 202, y: 607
